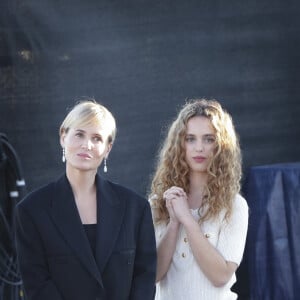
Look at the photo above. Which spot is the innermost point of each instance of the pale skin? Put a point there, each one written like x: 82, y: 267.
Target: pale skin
x: 85, y: 148
x: 199, y: 145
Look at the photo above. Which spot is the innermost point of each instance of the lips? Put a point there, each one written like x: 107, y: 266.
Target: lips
x: 199, y: 159
x: 84, y: 155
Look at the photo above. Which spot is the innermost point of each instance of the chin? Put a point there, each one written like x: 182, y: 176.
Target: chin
x: 84, y: 168
x: 199, y: 170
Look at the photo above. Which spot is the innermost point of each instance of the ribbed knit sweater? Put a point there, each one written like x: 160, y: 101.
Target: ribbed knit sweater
x: 184, y: 279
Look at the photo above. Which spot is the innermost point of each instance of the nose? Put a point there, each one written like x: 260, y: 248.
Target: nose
x: 87, y: 143
x: 199, y: 146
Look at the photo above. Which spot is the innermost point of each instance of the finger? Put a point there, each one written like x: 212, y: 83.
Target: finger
x: 177, y: 188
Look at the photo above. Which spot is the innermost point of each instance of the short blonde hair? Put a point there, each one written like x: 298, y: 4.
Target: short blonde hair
x: 89, y: 112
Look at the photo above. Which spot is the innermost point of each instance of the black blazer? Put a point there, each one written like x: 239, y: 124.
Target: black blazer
x: 55, y: 257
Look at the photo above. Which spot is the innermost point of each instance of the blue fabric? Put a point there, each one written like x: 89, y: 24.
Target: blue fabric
x: 273, y: 245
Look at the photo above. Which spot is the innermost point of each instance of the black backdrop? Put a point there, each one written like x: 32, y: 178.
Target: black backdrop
x: 142, y: 59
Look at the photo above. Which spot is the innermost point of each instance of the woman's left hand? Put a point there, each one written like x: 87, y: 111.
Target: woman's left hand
x: 179, y: 202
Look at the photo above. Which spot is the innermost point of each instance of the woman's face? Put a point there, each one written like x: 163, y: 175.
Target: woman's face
x: 200, y: 143
x: 85, y: 147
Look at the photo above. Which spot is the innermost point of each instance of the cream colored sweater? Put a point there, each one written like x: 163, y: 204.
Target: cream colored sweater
x: 184, y: 279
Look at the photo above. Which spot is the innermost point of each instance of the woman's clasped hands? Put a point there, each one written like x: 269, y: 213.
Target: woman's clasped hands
x: 177, y: 204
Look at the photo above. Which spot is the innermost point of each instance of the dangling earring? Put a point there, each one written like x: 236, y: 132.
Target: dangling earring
x: 63, y: 156
x: 105, y: 166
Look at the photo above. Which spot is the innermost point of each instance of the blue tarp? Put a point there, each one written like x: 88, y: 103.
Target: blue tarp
x: 273, y: 243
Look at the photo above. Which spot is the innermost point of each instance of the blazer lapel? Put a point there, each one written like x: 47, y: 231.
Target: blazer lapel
x: 110, y: 214
x: 65, y: 215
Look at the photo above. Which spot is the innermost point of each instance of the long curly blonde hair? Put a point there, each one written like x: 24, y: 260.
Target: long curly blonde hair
x: 224, y: 170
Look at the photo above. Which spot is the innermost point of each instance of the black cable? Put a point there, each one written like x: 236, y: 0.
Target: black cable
x: 13, y: 159
x: 11, y: 191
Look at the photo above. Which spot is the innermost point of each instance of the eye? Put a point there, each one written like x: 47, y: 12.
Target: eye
x: 189, y: 139
x: 97, y: 139
x: 209, y: 139
x: 79, y: 134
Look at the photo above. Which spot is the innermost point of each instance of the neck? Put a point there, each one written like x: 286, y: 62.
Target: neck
x: 81, y: 182
x: 197, y: 184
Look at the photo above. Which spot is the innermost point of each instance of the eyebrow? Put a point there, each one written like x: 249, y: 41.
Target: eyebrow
x: 83, y: 131
x: 206, y: 134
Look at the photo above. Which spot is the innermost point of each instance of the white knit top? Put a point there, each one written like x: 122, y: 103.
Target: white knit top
x: 184, y: 279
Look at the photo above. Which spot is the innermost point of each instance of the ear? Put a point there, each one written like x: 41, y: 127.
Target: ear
x: 62, y: 140
x: 109, y: 146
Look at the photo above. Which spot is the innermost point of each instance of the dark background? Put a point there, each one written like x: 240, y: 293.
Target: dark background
x: 143, y: 59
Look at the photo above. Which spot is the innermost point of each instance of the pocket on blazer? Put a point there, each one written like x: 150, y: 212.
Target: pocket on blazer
x: 119, y: 271
x: 126, y: 256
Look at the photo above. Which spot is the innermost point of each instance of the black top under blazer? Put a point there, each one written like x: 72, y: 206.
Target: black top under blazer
x: 54, y: 254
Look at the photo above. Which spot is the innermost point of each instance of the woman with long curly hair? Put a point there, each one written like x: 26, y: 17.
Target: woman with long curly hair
x: 200, y: 218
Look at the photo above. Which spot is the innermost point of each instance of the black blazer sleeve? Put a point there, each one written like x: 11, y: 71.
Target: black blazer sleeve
x: 32, y: 260
x: 145, y: 260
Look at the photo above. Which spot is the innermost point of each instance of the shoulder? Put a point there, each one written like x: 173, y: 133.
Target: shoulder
x: 34, y: 197
x: 125, y: 193
x: 43, y: 195
x: 239, y: 209
x: 153, y: 201
x: 240, y: 203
